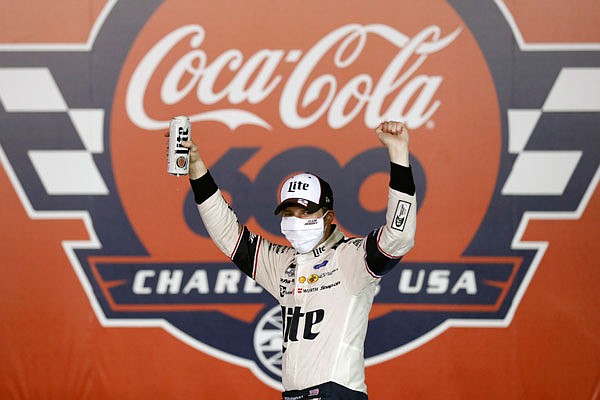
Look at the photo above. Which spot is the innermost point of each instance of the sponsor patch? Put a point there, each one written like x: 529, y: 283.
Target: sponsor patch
x: 400, y: 215
x: 320, y: 265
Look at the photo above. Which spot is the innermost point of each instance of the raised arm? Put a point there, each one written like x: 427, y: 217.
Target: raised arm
x: 386, y: 245
x: 251, y: 253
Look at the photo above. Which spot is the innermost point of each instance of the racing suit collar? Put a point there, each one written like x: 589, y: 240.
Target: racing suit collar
x: 336, y: 236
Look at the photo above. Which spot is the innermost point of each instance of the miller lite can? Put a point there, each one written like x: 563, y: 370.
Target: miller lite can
x: 180, y: 130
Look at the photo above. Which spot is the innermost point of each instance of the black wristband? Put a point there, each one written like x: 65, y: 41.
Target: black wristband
x: 401, y: 179
x: 203, y: 187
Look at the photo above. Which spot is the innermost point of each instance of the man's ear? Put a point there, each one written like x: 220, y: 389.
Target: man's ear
x: 329, y: 217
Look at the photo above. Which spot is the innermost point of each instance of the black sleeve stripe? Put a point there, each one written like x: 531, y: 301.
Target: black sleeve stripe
x: 246, y: 251
x: 203, y: 187
x: 378, y: 262
x: 401, y: 179
x: 255, y: 264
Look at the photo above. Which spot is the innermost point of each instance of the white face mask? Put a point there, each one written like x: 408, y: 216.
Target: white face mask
x: 303, y: 233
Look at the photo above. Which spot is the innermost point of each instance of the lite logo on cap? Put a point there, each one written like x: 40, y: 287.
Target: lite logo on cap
x: 305, y: 190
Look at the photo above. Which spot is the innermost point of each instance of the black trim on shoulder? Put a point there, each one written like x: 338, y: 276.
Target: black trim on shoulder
x: 377, y: 262
x: 401, y: 179
x: 203, y: 187
x: 246, y: 252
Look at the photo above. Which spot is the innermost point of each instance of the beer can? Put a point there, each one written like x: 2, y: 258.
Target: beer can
x: 180, y: 130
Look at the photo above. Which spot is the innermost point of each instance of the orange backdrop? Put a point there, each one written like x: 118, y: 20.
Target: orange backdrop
x: 53, y: 346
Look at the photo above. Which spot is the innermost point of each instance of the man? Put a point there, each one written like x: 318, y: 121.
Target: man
x: 325, y: 282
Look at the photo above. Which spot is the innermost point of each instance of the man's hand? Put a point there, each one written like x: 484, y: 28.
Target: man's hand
x: 394, y: 136
x: 197, y: 167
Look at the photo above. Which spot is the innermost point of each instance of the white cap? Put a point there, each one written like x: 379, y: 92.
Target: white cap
x: 305, y: 190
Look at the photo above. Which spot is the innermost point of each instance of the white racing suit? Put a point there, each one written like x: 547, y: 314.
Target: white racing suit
x: 326, y: 294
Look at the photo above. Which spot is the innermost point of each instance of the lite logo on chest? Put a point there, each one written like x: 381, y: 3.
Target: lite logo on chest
x: 297, y: 323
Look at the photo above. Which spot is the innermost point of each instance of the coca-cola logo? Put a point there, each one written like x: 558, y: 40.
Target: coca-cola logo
x: 409, y: 93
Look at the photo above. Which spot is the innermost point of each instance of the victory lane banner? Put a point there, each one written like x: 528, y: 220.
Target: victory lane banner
x: 112, y: 287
